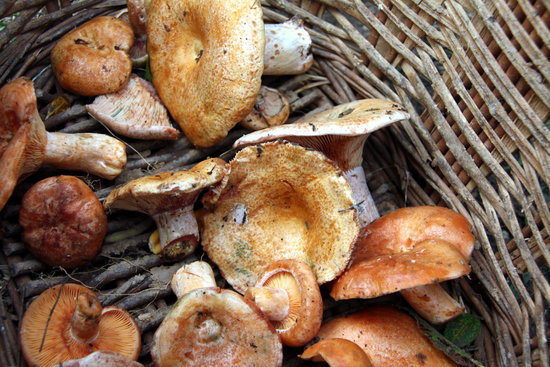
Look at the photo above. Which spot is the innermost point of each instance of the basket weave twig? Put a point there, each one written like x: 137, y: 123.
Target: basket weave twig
x: 473, y: 75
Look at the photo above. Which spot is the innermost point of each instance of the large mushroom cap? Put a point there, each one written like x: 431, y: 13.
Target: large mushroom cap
x: 406, y: 248
x: 389, y: 337
x: 214, y: 327
x: 281, y: 201
x: 207, y: 62
x: 93, y: 59
x: 46, y: 337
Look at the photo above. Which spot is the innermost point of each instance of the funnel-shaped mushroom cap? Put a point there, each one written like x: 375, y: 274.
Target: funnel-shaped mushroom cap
x: 214, y: 327
x: 53, y: 311
x: 134, y: 111
x: 406, y: 248
x: 281, y: 201
x: 389, y: 337
x: 337, y: 352
x: 207, y: 62
x: 336, y: 127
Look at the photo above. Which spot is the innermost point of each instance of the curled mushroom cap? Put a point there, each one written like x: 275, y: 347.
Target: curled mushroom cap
x: 281, y: 201
x: 214, y: 327
x: 93, y: 58
x: 337, y: 352
x: 134, y: 111
x: 169, y: 198
x: 63, y: 222
x: 300, y: 312
x: 67, y: 322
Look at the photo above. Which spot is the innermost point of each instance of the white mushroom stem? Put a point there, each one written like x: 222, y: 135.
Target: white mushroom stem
x: 364, y: 203
x: 433, y: 303
x: 178, y: 231
x: 271, y: 109
x: 98, y: 154
x: 198, y: 274
x: 105, y: 358
x: 287, y: 48
x: 274, y: 302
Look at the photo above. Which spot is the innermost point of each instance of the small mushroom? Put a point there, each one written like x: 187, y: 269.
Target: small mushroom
x: 288, y: 294
x: 280, y: 201
x: 137, y: 17
x: 101, y: 358
x: 25, y: 145
x: 217, y: 73
x: 271, y: 109
x: 93, y: 59
x: 407, y: 248
x: 169, y: 198
x: 67, y: 322
x: 198, y: 274
x: 389, y: 337
x: 63, y: 221
x: 134, y: 111
x: 340, y: 133
x: 337, y: 352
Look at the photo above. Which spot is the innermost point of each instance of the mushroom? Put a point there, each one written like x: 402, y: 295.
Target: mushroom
x: 408, y: 248
x: 101, y: 358
x: 137, y: 17
x: 271, y: 109
x: 25, y: 145
x: 389, y: 337
x: 288, y: 294
x: 93, y: 59
x: 340, y: 133
x: 280, y: 201
x: 215, y: 327
x: 211, y: 55
x: 63, y: 221
x: 337, y: 352
x: 169, y: 198
x: 67, y: 322
x: 134, y: 111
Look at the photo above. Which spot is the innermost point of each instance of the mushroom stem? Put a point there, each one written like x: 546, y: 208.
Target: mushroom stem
x: 433, y: 303
x: 85, y: 319
x: 367, y: 211
x: 178, y: 231
x: 287, y: 48
x: 98, y: 154
x: 198, y: 274
x: 274, y: 302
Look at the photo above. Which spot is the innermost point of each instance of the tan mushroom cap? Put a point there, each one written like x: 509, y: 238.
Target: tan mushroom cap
x: 406, y: 248
x: 389, y: 337
x: 214, y: 327
x: 134, y: 111
x: 337, y: 352
x: 63, y: 221
x: 305, y: 312
x: 281, y: 201
x: 116, y: 331
x: 207, y: 62
x: 93, y: 59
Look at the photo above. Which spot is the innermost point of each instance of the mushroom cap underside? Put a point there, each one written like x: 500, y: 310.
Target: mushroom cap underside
x: 214, y: 327
x: 208, y: 54
x: 281, y: 201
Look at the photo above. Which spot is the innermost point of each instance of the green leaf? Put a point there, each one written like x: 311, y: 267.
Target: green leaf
x: 462, y: 330
x: 3, y: 25
x: 148, y: 75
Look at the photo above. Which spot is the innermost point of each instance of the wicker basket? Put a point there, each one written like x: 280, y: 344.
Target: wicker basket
x: 473, y: 75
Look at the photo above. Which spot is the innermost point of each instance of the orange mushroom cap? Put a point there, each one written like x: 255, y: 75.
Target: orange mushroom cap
x: 337, y: 352
x: 48, y: 331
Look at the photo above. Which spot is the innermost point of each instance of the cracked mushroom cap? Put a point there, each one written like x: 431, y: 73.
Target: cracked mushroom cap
x: 76, y: 326
x: 210, y: 55
x: 281, y: 201
x: 215, y: 327
x: 389, y: 337
x: 93, y: 59
x: 134, y: 111
x: 337, y: 352
x: 406, y: 248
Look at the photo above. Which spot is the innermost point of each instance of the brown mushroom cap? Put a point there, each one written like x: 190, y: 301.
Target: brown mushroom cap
x: 53, y: 311
x: 337, y: 352
x: 406, y: 248
x: 63, y: 221
x: 214, y: 327
x: 305, y: 312
x: 207, y: 62
x: 389, y: 337
x: 93, y: 58
x: 281, y: 201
